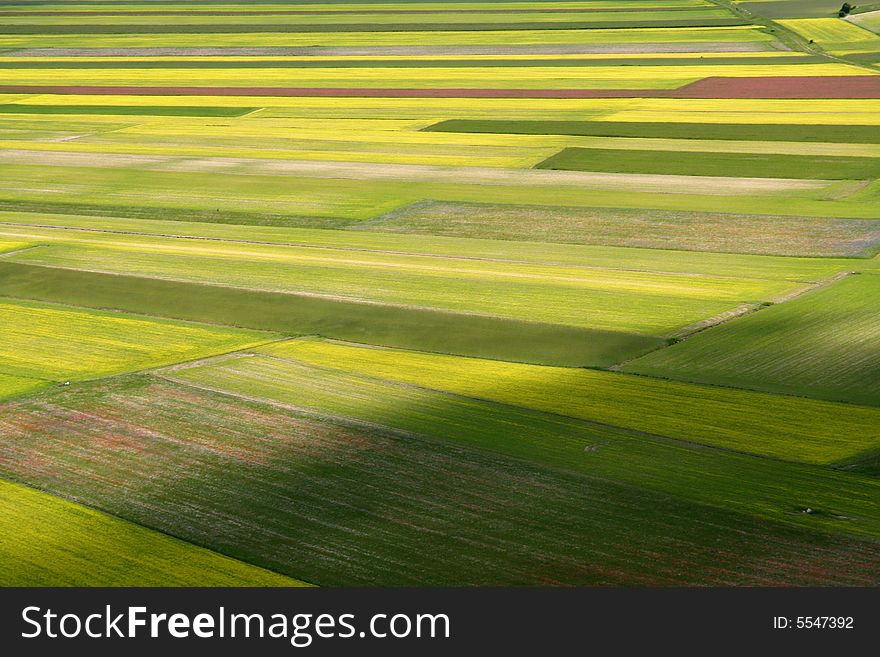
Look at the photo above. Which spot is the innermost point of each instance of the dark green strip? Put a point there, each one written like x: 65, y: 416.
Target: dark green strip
x: 361, y: 27
x: 294, y: 314
x: 125, y: 110
x: 747, y: 165
x: 841, y: 133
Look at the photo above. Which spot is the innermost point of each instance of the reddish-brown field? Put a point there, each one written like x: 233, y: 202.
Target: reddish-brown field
x: 347, y: 92
x: 806, y: 87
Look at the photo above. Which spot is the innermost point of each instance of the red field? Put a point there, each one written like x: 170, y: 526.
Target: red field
x: 854, y: 86
x: 847, y: 86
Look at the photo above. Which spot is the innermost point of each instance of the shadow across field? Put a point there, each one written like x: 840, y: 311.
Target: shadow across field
x: 402, y: 326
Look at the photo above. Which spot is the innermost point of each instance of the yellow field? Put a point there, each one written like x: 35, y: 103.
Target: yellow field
x: 830, y: 33
x: 61, y: 343
x: 648, y: 77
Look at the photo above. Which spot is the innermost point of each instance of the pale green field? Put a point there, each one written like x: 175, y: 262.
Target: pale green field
x: 652, y: 303
x: 342, y: 197
x: 48, y: 541
x: 869, y: 21
x: 59, y: 343
x: 788, y: 428
x: 825, y: 344
x: 145, y: 235
x: 12, y: 386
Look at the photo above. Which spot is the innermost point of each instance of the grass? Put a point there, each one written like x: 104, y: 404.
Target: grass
x: 12, y: 386
x: 96, y: 230
x: 724, y: 479
x: 49, y: 541
x: 730, y: 131
x: 364, y: 341
x: 824, y: 344
x: 9, y: 247
x: 762, y: 165
x: 652, y: 303
x: 691, y: 231
x: 354, y: 505
x: 787, y: 428
x: 60, y: 343
x: 829, y: 32
x: 289, y: 314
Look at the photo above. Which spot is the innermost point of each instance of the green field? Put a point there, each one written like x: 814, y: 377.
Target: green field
x: 660, y: 229
x: 824, y: 345
x: 355, y: 505
x: 729, y: 131
x: 89, y: 548
x: 295, y: 314
x: 715, y: 164
x: 783, y: 427
x: 655, y: 303
x: 429, y: 293
x: 712, y: 476
x: 59, y: 343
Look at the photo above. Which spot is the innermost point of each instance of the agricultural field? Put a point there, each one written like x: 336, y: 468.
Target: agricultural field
x: 772, y: 350
x: 125, y: 554
x: 558, y: 292
x: 59, y: 343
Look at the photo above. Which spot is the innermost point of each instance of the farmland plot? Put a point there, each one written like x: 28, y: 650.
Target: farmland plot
x: 186, y: 187
x: 768, y: 488
x: 47, y: 541
x: 649, y: 303
x: 60, y: 343
x: 783, y: 427
x: 825, y: 344
x: 340, y: 504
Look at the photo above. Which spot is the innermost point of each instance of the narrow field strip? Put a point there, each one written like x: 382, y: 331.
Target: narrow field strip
x: 632, y: 301
x: 206, y: 63
x: 866, y: 134
x: 782, y: 427
x: 824, y: 344
x: 40, y: 226
x: 715, y: 164
x: 49, y: 541
x: 804, y: 87
x: 62, y: 343
x: 293, y: 314
x: 71, y: 155
x: 125, y: 110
